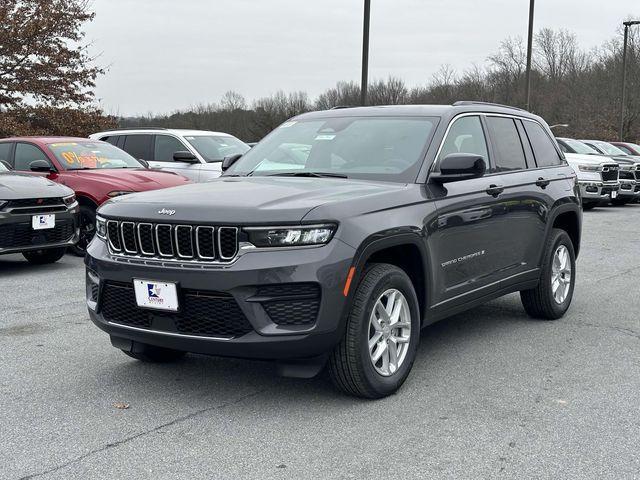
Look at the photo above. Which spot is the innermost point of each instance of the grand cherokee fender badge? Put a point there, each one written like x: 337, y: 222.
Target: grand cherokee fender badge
x: 464, y: 258
x: 164, y: 211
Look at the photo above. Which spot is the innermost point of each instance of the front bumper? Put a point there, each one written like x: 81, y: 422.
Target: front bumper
x: 629, y: 189
x: 242, y: 283
x: 17, y: 234
x: 598, y: 191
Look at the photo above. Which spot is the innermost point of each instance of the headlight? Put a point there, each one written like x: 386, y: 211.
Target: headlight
x: 70, y: 200
x: 101, y: 227
x: 290, y: 236
x: 589, y: 168
x: 3, y: 203
x: 117, y: 193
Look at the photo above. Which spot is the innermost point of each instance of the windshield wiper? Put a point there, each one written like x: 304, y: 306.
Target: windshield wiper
x: 307, y: 174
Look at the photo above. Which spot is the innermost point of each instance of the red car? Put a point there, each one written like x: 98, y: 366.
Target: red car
x: 95, y: 170
x: 630, y: 148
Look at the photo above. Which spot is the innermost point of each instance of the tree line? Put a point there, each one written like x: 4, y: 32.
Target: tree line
x: 569, y: 85
x: 47, y: 82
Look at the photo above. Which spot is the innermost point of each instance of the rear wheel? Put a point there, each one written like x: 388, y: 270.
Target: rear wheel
x: 552, y: 297
x: 377, y: 351
x: 153, y: 354
x: 42, y: 257
x: 87, y: 229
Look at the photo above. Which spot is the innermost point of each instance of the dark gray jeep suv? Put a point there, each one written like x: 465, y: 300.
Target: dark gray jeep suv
x: 338, y: 237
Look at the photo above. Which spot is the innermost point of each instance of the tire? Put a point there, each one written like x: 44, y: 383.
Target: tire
x: 42, y: 257
x: 87, y: 230
x: 589, y: 206
x: 351, y: 366
x: 153, y: 354
x: 540, y: 302
x: 618, y: 202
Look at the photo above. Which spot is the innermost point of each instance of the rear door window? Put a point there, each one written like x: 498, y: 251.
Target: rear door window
x: 138, y: 146
x: 5, y: 152
x: 543, y: 148
x: 166, y: 146
x: 506, y: 143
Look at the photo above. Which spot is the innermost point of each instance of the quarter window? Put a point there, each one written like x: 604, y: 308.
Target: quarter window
x: 138, y: 146
x: 465, y: 136
x: 166, y: 146
x: 5, y: 151
x: 543, y: 149
x: 507, y: 144
x: 27, y: 153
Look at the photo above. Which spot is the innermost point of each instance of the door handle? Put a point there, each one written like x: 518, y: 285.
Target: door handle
x: 542, y: 183
x: 495, y: 190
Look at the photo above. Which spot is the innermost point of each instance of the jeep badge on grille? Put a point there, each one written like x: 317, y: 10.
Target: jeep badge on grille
x: 164, y: 211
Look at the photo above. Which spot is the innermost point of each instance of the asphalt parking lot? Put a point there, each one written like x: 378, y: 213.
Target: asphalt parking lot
x: 492, y: 393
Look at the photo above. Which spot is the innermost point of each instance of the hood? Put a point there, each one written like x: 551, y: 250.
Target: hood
x: 579, y: 158
x: 248, y: 200
x: 15, y: 186
x: 132, y: 179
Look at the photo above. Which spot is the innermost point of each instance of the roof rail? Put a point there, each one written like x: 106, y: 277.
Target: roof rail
x: 339, y: 107
x: 136, y: 128
x: 490, y: 104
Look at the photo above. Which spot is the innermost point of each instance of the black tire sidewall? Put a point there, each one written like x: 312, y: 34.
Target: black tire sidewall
x: 561, y: 238
x: 90, y: 212
x: 386, y: 385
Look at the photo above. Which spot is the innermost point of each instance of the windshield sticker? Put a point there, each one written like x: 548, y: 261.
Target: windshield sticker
x: 325, y: 137
x: 288, y: 124
x: 63, y: 144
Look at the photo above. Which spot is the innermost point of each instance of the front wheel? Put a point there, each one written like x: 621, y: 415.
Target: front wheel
x: 42, y: 257
x: 87, y: 229
x: 379, y: 346
x: 552, y: 297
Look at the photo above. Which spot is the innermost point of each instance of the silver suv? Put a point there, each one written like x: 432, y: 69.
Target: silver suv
x: 195, y: 154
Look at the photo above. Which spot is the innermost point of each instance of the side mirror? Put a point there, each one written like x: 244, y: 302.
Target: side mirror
x: 459, y: 166
x: 6, y: 164
x: 230, y: 160
x: 184, y: 156
x: 41, y: 166
x: 144, y: 163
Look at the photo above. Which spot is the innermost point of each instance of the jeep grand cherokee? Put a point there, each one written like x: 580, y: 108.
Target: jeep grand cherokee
x: 338, y: 237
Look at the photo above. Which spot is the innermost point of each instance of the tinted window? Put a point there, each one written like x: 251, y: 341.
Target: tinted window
x: 138, y: 146
x: 543, y: 148
x: 25, y: 154
x: 166, y: 146
x: 5, y: 150
x: 113, y: 139
x: 625, y: 149
x: 465, y: 136
x: 507, y: 144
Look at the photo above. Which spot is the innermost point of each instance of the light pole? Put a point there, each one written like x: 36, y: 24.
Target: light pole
x: 624, y: 73
x: 529, y: 50
x: 365, y: 53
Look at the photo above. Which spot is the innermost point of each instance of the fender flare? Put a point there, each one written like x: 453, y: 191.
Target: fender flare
x: 562, y: 209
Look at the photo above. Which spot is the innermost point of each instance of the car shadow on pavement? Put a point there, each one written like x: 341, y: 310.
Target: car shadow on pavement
x: 204, y: 377
x: 16, y: 265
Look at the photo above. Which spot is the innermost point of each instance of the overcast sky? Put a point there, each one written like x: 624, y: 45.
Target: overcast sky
x: 169, y: 54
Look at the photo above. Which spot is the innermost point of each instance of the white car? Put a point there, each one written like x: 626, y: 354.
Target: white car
x: 195, y: 154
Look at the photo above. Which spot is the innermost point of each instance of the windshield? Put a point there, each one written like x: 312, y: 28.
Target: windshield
x: 378, y: 148
x: 609, y: 149
x: 92, y: 155
x: 214, y: 148
x: 580, y: 147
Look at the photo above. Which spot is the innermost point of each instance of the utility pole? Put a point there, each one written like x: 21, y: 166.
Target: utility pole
x: 365, y: 53
x: 624, y: 75
x: 529, y: 51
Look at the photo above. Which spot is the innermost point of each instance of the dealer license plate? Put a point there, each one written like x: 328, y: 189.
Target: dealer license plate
x: 156, y: 295
x: 42, y: 222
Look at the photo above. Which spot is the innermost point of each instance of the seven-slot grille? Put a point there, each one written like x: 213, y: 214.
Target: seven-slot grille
x: 178, y: 242
x: 610, y: 173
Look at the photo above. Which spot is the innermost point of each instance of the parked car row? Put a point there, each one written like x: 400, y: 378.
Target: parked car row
x: 127, y: 161
x: 607, y: 171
